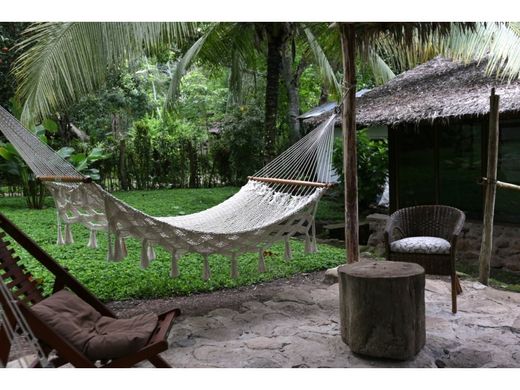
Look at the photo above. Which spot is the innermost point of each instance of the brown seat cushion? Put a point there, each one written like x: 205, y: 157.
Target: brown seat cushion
x: 98, y: 337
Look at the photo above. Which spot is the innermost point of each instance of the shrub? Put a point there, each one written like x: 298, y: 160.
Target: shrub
x: 242, y: 142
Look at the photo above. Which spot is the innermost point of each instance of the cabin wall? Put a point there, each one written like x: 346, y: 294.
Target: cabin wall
x: 441, y: 163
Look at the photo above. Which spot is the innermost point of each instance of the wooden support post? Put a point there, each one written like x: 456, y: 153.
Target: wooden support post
x: 348, y: 116
x: 491, y: 188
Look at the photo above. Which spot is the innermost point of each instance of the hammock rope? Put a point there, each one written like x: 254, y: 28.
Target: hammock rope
x: 44, y: 162
x: 278, y: 202
x: 19, y: 335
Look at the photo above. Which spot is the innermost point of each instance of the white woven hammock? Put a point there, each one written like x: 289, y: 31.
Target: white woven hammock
x: 278, y: 202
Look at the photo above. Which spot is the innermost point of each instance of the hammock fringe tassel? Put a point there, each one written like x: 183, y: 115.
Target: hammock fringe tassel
x: 307, y: 243
x: 174, y: 272
x: 207, y: 271
x: 119, y: 248
x: 92, y: 240
x: 288, y: 251
x: 314, y: 247
x: 145, y: 254
x: 59, y: 240
x: 151, y: 252
x: 68, y: 234
x: 261, y: 260
x: 110, y: 251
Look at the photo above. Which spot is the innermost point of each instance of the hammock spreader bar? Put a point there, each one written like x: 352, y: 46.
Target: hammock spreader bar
x: 66, y: 179
x: 291, y: 182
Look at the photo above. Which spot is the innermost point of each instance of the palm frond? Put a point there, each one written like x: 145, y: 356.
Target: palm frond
x: 497, y: 43
x: 327, y: 73
x: 60, y: 62
x: 380, y: 69
x: 181, y: 68
x: 223, y: 44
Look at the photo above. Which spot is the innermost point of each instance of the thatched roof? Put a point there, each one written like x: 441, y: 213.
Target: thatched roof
x: 439, y: 88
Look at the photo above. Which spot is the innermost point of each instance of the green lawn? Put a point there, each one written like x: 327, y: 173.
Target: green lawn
x: 123, y: 280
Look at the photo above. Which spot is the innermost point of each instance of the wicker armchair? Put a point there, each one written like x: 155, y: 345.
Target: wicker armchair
x: 436, y: 223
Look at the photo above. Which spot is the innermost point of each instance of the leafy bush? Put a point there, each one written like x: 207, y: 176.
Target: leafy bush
x: 372, y: 158
x: 241, y: 143
x: 82, y: 161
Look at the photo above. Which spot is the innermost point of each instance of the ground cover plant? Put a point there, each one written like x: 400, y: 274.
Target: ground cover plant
x: 125, y: 279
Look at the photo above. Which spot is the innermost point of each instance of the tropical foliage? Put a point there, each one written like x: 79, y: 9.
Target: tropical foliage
x: 153, y: 105
x: 372, y: 158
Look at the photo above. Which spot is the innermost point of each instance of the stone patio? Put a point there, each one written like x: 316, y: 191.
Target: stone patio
x: 298, y: 327
x: 294, y: 323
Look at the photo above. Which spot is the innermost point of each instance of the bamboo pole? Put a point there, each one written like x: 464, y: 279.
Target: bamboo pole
x: 508, y: 186
x: 503, y: 184
x: 491, y: 188
x: 348, y: 116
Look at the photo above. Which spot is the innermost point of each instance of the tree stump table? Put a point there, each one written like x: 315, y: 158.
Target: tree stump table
x: 382, y: 308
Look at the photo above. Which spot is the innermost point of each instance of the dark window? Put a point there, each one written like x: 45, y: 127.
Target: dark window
x: 460, y: 167
x: 415, y: 166
x: 443, y: 164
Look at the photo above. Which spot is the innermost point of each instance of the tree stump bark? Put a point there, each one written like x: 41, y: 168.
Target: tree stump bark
x: 382, y: 308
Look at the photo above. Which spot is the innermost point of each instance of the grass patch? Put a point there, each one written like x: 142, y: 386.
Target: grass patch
x: 498, y: 278
x: 125, y: 279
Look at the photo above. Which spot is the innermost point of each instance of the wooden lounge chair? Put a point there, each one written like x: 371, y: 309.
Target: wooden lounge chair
x: 426, y: 235
x: 28, y: 294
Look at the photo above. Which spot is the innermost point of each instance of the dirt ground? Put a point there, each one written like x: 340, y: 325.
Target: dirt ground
x: 198, y: 304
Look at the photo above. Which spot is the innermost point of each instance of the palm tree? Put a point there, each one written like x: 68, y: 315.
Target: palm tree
x: 241, y: 46
x: 60, y: 62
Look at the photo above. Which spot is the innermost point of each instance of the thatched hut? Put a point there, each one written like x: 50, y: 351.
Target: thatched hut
x: 436, y: 115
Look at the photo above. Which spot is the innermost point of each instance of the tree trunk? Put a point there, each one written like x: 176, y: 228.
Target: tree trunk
x: 122, y: 168
x: 64, y: 129
x: 123, y: 172
x: 348, y: 39
x: 292, y: 81
x: 486, y: 247
x: 276, y: 35
x: 194, y: 166
x: 382, y: 312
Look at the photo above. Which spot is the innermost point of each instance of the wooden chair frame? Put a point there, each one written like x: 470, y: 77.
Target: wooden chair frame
x: 27, y: 292
x: 430, y: 220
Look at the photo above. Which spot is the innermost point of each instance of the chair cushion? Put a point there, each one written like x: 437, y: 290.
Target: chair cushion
x: 97, y: 336
x: 421, y: 244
